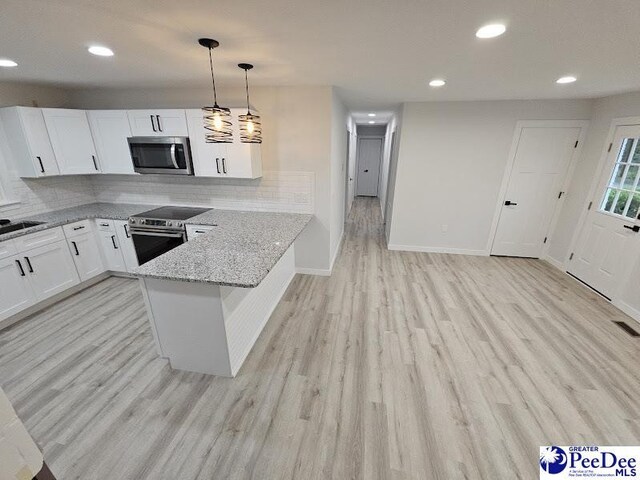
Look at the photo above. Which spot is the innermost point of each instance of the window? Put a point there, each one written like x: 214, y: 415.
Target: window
x: 623, y: 192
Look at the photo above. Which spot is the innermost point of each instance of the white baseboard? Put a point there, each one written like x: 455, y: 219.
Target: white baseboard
x: 628, y: 309
x: 456, y: 251
x: 313, y: 271
x: 555, y: 263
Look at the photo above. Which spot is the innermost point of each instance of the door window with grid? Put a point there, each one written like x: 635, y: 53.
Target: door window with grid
x: 623, y: 191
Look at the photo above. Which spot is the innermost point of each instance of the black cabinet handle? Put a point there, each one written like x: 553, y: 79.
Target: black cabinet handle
x: 635, y: 228
x: 158, y: 122
x: 75, y: 246
x: 509, y: 202
x: 104, y: 224
x: 224, y: 167
x: 126, y: 231
x: 218, y: 165
x: 199, y: 231
x: 78, y: 228
x: 153, y: 125
x: 29, y: 264
x: 113, y: 240
x: 22, y: 274
x: 41, y: 166
x: 95, y: 164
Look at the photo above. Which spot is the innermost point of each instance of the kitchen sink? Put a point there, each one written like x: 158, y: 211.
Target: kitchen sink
x: 12, y: 227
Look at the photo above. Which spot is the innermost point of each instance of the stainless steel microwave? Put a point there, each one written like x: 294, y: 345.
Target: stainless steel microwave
x: 163, y: 155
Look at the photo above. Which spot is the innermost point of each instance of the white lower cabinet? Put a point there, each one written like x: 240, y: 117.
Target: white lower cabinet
x: 86, y: 255
x: 50, y: 269
x: 16, y: 293
x: 113, y: 259
x: 196, y: 230
x: 126, y: 244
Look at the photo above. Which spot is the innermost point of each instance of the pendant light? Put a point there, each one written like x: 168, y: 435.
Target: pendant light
x: 217, y: 119
x: 250, y: 126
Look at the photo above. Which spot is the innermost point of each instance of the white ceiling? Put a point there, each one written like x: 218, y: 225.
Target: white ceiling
x: 378, y: 52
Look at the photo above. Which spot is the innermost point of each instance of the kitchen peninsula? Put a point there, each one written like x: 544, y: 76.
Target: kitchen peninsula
x: 209, y: 299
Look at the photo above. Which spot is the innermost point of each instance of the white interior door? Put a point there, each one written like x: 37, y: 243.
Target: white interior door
x: 369, y: 157
x: 609, y: 242
x: 540, y: 166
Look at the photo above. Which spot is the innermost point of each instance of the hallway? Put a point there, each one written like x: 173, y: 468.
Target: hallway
x: 400, y: 365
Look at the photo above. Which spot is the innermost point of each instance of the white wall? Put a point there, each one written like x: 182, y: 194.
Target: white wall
x: 36, y: 195
x: 452, y: 157
x: 340, y: 125
x: 386, y: 161
x: 393, y: 174
x: 297, y: 133
x: 353, y: 150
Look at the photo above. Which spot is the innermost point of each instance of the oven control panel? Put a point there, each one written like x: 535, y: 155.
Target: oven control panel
x: 154, y: 222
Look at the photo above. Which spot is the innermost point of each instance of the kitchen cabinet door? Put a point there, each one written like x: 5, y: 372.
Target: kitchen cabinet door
x: 158, y: 123
x: 71, y: 140
x: 28, y: 140
x: 50, y: 269
x: 16, y: 293
x: 112, y: 253
x: 126, y: 244
x: 86, y: 255
x: 242, y: 160
x: 110, y: 130
x: 207, y: 157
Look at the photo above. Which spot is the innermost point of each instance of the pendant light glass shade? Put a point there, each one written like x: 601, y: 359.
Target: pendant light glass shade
x: 217, y: 120
x: 250, y: 125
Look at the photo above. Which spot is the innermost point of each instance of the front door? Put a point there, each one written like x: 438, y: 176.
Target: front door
x: 609, y: 242
x: 369, y: 157
x: 540, y: 166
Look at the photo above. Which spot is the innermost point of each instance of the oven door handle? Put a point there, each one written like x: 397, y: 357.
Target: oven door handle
x: 157, y: 234
x: 172, y: 151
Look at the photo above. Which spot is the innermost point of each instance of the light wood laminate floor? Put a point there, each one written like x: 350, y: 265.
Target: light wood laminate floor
x: 399, y: 365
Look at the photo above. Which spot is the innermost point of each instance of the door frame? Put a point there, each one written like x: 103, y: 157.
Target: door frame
x: 508, y: 169
x: 591, y: 198
x: 361, y: 137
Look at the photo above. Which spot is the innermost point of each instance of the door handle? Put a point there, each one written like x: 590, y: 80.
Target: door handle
x: 224, y: 167
x: 22, y: 274
x: 29, y: 264
x: 635, y: 228
x: 509, y: 202
x: 158, y: 122
x: 41, y: 166
x: 113, y: 240
x: 218, y: 165
x: 75, y: 247
x: 366, y: 171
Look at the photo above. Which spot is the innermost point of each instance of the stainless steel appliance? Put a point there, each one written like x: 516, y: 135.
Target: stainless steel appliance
x: 157, y: 231
x: 164, y: 155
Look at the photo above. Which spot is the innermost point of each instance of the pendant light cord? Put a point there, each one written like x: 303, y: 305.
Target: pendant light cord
x: 213, y: 80
x: 246, y: 84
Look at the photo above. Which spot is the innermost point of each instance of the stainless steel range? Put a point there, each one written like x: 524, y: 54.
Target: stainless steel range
x: 157, y: 231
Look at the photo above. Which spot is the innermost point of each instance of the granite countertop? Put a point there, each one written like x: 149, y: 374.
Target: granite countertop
x: 239, y: 251
x: 110, y: 211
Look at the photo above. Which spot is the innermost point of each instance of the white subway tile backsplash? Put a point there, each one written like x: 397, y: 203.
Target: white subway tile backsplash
x: 276, y: 191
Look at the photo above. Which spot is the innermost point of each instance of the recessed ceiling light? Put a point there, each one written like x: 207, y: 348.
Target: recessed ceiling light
x: 491, y: 31
x: 5, y: 62
x: 437, y: 83
x: 568, y: 79
x: 101, y: 51
x: 372, y: 114
x: 371, y: 121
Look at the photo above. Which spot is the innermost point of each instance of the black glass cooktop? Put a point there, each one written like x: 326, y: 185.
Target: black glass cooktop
x: 173, y: 213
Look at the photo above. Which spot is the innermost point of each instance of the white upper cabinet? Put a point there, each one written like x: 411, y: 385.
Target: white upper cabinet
x: 71, y: 140
x: 28, y: 140
x: 229, y: 160
x: 110, y: 130
x: 158, y: 123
